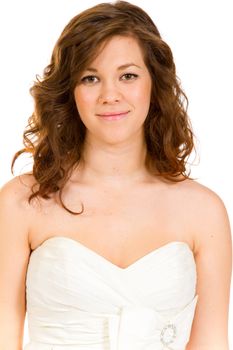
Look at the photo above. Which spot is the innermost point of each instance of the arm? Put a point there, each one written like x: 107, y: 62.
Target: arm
x: 14, y: 255
x: 214, y: 263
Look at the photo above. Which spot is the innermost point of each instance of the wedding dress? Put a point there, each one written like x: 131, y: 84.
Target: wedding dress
x: 78, y: 300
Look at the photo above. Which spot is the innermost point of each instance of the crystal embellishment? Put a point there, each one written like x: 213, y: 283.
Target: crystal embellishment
x: 168, y: 334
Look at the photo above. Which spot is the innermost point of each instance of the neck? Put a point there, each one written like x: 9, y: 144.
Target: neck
x: 115, y: 166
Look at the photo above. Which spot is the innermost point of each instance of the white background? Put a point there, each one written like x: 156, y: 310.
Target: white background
x: 200, y: 36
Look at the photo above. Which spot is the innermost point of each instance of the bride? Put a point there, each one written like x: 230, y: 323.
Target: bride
x: 109, y: 243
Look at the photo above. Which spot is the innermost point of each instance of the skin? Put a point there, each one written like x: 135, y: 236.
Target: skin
x: 128, y: 212
x: 119, y: 146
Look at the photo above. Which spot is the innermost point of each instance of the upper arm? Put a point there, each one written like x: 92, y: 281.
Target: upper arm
x: 14, y: 255
x: 213, y: 258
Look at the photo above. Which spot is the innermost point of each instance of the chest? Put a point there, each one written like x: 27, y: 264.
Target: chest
x: 119, y: 225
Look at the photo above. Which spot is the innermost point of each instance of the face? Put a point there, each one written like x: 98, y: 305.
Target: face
x: 116, y: 81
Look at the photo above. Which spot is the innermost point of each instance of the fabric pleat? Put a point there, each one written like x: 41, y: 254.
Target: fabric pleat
x: 78, y: 300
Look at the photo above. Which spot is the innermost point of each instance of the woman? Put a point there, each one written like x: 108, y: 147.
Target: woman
x: 114, y: 246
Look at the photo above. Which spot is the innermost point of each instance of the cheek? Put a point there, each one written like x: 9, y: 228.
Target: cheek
x: 83, y: 103
x: 83, y: 100
x: 142, y: 94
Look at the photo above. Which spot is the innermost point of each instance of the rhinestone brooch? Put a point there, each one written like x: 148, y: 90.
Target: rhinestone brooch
x: 168, y: 334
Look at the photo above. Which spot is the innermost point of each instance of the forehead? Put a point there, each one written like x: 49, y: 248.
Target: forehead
x: 117, y: 50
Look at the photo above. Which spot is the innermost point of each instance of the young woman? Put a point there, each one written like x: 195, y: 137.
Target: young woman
x: 108, y: 243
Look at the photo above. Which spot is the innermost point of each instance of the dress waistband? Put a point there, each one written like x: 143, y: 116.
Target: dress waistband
x: 133, y: 328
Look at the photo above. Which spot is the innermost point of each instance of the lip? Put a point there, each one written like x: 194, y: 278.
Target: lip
x: 113, y: 116
x: 109, y: 114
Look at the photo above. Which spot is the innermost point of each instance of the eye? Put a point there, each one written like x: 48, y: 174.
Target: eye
x: 88, y: 79
x: 130, y: 75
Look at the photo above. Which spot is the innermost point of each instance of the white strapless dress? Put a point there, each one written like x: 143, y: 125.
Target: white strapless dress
x: 77, y: 299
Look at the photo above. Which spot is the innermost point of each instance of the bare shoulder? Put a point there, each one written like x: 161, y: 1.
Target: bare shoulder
x: 197, y: 198
x: 16, y: 215
x: 200, y: 196
x: 209, y: 212
x: 14, y: 193
x: 204, y: 199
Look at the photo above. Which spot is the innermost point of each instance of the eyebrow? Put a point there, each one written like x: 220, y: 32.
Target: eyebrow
x: 126, y: 65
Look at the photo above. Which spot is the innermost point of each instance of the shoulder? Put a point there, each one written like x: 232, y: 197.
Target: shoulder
x: 200, y: 196
x: 210, y: 217
x: 204, y: 199
x: 16, y: 216
x: 194, y: 196
x: 15, y: 192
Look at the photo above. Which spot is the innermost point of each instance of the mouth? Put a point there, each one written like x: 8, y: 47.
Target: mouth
x: 113, y: 115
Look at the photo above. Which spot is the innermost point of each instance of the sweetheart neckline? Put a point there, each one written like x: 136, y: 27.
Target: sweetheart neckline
x: 108, y: 262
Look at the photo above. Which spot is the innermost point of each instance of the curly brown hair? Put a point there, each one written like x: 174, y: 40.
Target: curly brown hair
x: 55, y: 133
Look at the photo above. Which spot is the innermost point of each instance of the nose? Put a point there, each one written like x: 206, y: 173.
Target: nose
x: 109, y: 93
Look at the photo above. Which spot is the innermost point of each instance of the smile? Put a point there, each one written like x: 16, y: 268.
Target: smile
x: 113, y: 116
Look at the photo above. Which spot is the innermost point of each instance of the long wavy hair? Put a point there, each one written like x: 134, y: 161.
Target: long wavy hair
x: 55, y: 134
